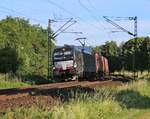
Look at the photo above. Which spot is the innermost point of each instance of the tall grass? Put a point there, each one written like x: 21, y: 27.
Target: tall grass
x: 131, y: 101
x: 138, y: 74
x: 6, y: 82
x: 12, y: 81
x: 12, y: 84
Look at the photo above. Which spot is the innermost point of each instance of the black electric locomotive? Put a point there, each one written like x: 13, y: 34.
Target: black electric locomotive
x: 72, y: 63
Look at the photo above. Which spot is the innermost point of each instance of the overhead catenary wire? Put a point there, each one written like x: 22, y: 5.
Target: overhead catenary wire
x: 70, y: 13
x: 121, y: 18
x: 115, y: 18
x: 79, y: 35
x: 94, y: 16
x: 90, y: 3
x: 65, y: 28
x: 118, y: 26
x: 4, y: 11
x: 96, y: 27
x: 91, y: 14
x: 64, y: 25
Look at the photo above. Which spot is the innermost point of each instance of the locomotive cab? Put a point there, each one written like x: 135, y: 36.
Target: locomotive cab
x: 63, y: 63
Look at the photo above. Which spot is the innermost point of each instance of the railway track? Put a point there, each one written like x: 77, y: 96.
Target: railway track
x: 7, y: 94
x: 27, y: 96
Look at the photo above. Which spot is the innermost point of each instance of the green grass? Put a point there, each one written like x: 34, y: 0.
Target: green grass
x: 131, y: 101
x: 7, y: 81
x: 138, y: 74
x: 11, y: 83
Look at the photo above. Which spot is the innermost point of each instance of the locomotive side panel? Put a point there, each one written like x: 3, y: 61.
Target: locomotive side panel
x: 89, y: 65
x: 78, y: 60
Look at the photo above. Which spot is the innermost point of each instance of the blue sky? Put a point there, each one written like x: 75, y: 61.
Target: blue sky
x: 90, y: 21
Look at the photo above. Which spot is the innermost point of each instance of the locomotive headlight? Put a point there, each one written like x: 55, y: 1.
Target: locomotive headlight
x: 75, y: 65
x: 53, y: 68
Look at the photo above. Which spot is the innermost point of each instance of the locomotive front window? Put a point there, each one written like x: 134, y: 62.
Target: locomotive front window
x: 58, y: 54
x: 67, y: 52
x: 63, y: 55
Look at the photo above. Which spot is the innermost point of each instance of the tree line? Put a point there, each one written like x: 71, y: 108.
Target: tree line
x: 133, y: 55
x: 23, y: 47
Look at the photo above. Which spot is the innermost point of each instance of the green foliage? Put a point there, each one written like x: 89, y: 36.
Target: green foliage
x: 122, y: 57
x: 144, y: 54
x: 12, y: 81
x: 9, y: 61
x: 12, y: 84
x: 97, y: 49
x: 115, y: 63
x: 110, y: 49
x: 138, y: 48
x: 29, y: 42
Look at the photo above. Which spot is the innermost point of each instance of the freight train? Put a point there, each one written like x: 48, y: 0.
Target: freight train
x: 75, y: 63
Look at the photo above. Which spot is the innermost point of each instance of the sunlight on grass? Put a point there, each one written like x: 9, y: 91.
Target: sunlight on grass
x: 12, y: 84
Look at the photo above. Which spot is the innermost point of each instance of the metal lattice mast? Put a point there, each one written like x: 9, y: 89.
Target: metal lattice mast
x: 135, y: 44
x: 135, y: 34
x: 49, y: 47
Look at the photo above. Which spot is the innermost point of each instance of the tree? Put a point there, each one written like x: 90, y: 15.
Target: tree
x: 145, y: 54
x: 9, y: 61
x: 97, y: 49
x: 131, y: 49
x: 29, y: 42
x: 111, y: 48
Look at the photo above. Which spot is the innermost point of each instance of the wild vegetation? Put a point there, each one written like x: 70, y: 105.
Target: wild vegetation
x: 12, y: 84
x: 130, y: 101
x: 122, y: 57
x: 23, y: 49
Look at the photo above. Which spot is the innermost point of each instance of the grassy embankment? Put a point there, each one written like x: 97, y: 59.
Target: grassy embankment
x: 139, y: 75
x: 5, y: 82
x: 131, y: 101
x: 15, y: 82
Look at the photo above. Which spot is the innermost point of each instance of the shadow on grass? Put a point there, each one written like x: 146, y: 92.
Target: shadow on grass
x: 148, y: 79
x: 35, y: 79
x: 64, y: 94
x: 145, y: 78
x: 133, y: 99
x: 122, y: 78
